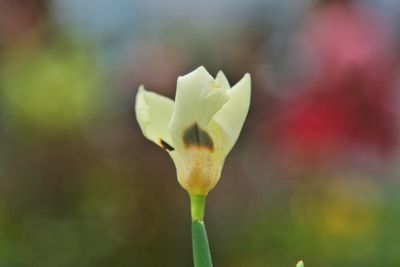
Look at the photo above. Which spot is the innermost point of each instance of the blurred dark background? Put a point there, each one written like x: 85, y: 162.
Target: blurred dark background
x: 314, y: 175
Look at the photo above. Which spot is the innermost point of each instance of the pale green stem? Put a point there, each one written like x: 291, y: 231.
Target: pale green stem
x: 201, y: 249
x: 197, y: 207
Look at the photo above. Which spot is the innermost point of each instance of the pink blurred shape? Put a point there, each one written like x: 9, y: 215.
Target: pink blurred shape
x: 346, y: 102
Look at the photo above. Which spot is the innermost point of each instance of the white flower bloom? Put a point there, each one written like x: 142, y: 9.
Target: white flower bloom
x: 200, y: 128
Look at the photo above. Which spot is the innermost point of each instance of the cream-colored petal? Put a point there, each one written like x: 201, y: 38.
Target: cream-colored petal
x: 198, y: 170
x: 153, y: 112
x: 222, y: 80
x: 229, y: 120
x: 198, y: 98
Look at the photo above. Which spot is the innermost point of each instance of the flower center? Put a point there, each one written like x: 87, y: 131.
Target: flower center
x: 194, y: 136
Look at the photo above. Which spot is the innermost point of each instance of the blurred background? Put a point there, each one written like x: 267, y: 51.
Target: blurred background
x: 314, y: 175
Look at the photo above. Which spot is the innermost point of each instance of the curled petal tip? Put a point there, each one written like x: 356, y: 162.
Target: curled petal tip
x: 141, y: 89
x: 222, y: 80
x: 247, y: 76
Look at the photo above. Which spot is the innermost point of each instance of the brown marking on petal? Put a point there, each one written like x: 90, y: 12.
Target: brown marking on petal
x: 166, y: 146
x: 195, y: 136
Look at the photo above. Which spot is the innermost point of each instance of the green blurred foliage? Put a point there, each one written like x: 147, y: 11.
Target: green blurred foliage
x: 54, y: 87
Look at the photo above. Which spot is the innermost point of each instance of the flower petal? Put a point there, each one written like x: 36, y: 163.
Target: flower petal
x: 222, y: 80
x: 153, y: 112
x: 231, y: 117
x: 198, y: 98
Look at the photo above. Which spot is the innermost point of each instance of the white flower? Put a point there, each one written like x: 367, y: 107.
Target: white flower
x: 200, y: 128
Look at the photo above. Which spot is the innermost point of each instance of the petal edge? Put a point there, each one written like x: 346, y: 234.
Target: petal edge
x: 231, y: 117
x: 153, y: 113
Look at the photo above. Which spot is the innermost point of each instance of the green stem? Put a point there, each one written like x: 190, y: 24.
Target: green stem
x: 201, y: 249
x: 197, y: 207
